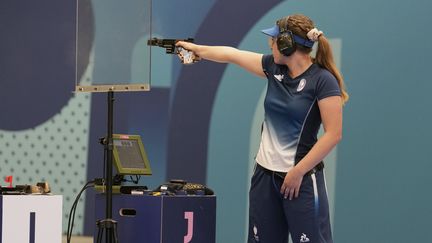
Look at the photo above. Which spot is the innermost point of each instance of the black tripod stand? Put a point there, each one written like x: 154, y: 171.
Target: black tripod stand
x: 111, y: 230
x: 108, y: 224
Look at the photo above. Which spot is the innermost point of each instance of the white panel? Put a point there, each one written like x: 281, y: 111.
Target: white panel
x: 16, y: 218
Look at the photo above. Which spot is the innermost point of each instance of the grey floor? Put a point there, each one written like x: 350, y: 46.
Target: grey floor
x: 79, y: 239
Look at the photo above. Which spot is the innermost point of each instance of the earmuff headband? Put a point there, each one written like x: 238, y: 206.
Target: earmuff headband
x: 301, y: 41
x: 297, y: 39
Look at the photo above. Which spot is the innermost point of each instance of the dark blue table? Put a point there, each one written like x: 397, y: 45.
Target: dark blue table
x: 161, y: 219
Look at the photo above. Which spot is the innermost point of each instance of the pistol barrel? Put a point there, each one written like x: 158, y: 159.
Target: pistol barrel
x: 168, y: 44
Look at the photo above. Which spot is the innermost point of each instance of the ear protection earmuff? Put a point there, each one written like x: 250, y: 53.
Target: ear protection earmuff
x: 285, y: 40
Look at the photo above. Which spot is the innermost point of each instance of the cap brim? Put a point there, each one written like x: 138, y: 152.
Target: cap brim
x: 273, y: 31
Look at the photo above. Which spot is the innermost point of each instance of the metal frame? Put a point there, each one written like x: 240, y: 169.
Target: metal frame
x: 113, y: 87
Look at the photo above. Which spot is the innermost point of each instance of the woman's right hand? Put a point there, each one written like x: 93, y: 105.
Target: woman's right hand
x: 250, y: 61
x: 185, y: 52
x: 187, y: 45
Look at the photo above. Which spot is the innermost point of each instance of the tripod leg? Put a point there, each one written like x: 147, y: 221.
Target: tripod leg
x: 115, y: 233
x: 109, y: 228
x: 108, y: 236
x: 99, y: 236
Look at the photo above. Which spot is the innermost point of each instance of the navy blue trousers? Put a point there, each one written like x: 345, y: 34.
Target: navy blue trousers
x: 272, y: 218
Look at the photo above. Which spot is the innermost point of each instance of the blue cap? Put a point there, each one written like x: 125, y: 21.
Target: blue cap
x: 273, y: 31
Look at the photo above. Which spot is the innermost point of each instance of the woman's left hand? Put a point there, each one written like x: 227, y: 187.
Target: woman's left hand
x: 292, y: 182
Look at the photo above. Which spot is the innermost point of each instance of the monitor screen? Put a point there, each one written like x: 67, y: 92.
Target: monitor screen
x: 129, y: 155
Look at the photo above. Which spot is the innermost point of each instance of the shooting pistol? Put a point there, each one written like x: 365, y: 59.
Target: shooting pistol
x: 168, y: 44
x: 186, y: 56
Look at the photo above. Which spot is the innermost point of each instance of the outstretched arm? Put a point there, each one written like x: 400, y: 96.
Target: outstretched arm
x: 250, y: 61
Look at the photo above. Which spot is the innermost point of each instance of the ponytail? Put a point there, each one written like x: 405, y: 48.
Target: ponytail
x: 303, y: 26
x: 324, y: 58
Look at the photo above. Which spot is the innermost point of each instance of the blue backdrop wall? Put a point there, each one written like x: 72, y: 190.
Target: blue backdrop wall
x: 201, y: 122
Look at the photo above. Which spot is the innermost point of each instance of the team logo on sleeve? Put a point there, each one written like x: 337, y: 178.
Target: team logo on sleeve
x: 279, y: 77
x: 301, y: 85
x: 304, y: 238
